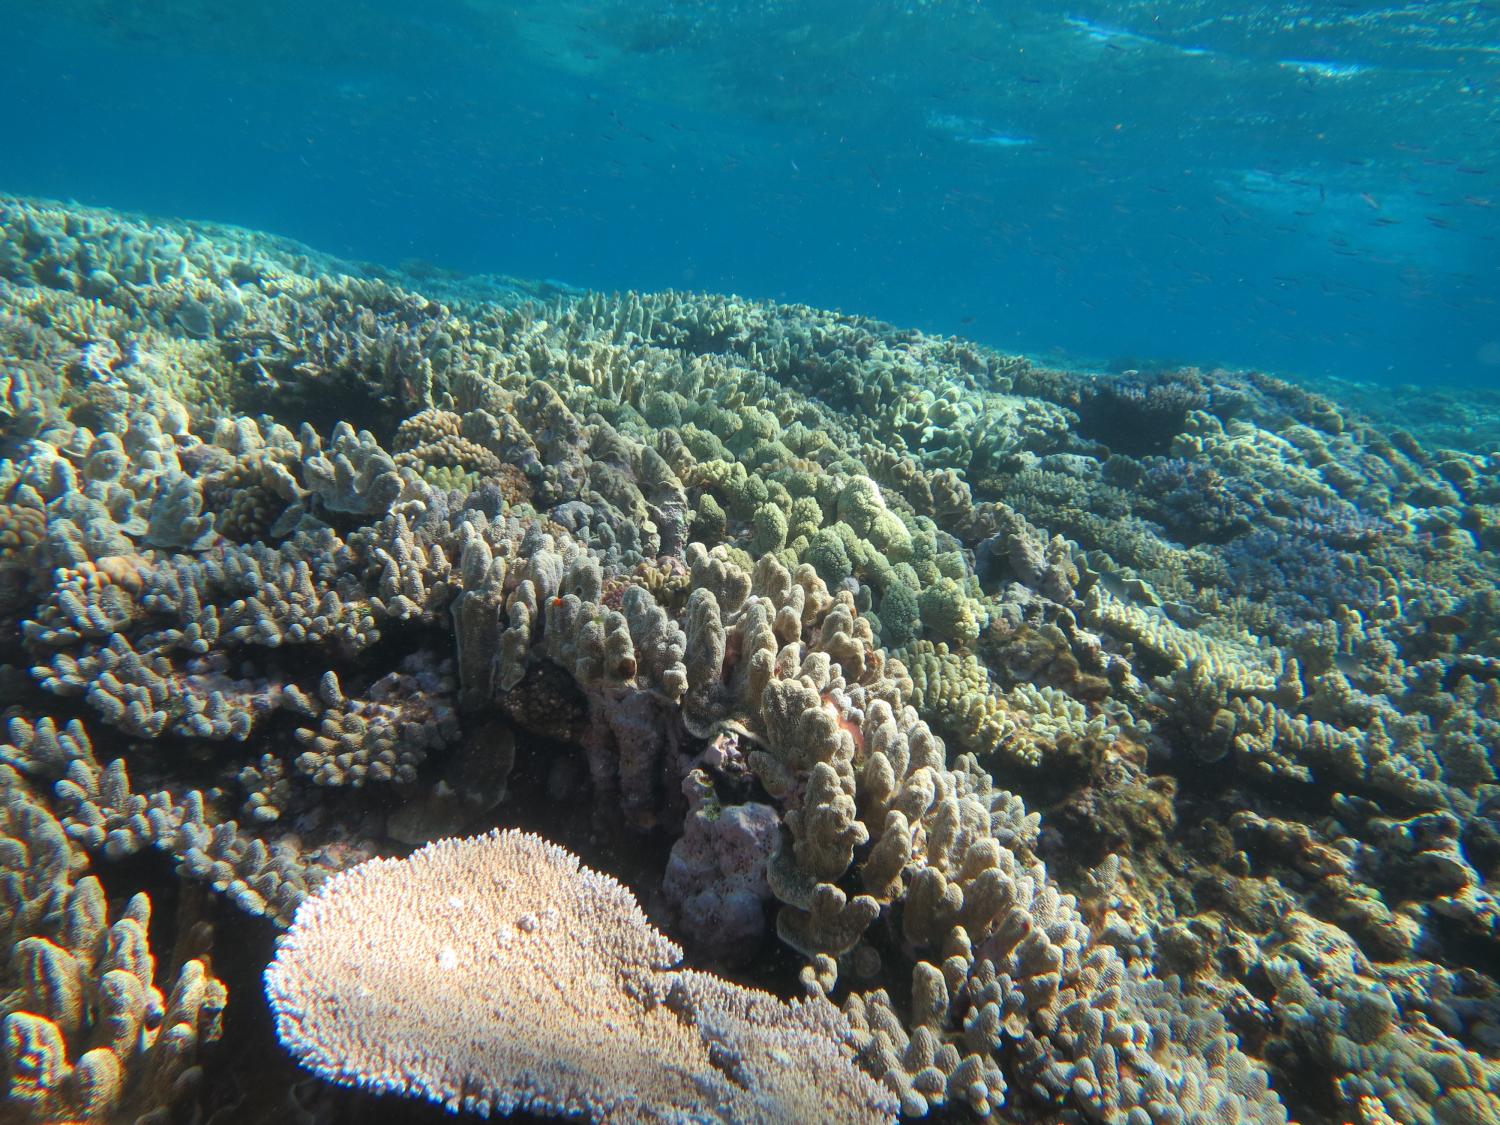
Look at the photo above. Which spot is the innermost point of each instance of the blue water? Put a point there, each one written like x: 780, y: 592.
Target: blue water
x: 1308, y: 188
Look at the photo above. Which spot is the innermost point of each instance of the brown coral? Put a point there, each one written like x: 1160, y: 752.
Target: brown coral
x: 88, y: 1034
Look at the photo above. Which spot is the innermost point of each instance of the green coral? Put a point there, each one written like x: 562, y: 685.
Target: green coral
x: 451, y: 478
x: 951, y: 564
x: 900, y: 613
x: 754, y: 429
x: 768, y: 528
x: 862, y: 506
x: 829, y: 556
x: 660, y: 408
x: 923, y: 558
x: 702, y: 444
x: 738, y: 491
x: 803, y: 518
x: 710, y: 522
x: 859, y: 502
x: 950, y: 614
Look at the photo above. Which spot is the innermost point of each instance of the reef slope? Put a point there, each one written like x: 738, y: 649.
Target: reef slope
x: 1108, y: 748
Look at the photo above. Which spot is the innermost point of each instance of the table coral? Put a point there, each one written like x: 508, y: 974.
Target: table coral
x: 497, y: 973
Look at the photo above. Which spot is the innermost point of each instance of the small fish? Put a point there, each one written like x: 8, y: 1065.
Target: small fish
x: 1188, y: 616
x: 1370, y: 200
x: 1348, y: 663
x: 1000, y: 140
x: 1114, y: 584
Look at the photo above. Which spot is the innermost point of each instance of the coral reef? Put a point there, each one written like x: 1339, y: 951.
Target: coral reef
x: 1106, y: 748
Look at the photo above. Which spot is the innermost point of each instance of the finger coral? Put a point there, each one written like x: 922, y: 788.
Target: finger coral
x: 88, y: 1034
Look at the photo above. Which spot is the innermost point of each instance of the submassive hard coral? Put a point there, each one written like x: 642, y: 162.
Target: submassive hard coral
x: 89, y: 1035
x: 307, y: 564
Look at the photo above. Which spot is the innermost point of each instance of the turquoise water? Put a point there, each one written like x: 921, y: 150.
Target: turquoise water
x: 759, y: 562
x: 1310, y: 188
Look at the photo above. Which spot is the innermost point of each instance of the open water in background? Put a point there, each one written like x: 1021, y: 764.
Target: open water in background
x: 1310, y: 188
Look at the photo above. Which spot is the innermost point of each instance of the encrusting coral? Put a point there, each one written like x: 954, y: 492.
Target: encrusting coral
x: 882, y: 644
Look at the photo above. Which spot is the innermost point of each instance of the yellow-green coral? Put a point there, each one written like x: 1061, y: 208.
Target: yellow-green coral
x: 949, y: 613
x: 768, y: 529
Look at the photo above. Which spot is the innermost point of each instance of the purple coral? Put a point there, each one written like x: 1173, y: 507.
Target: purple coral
x: 716, y: 875
x: 1197, y: 503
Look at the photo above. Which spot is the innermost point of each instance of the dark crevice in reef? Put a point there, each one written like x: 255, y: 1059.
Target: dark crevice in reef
x: 1136, y: 417
x: 322, y: 403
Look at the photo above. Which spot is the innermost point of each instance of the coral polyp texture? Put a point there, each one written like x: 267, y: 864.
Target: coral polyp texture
x: 1076, y: 748
x: 494, y: 972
